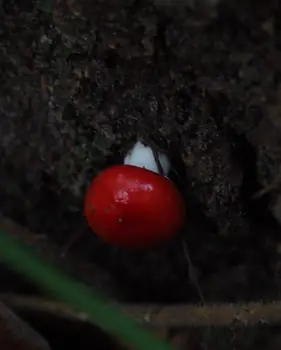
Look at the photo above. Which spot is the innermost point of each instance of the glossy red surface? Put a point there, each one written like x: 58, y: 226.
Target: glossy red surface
x: 132, y: 207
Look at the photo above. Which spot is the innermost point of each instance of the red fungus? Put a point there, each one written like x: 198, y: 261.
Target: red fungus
x: 132, y: 207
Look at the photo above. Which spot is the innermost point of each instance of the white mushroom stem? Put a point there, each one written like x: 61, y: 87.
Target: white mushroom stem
x: 143, y: 157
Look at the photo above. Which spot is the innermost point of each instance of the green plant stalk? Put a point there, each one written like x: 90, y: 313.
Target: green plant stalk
x: 77, y: 295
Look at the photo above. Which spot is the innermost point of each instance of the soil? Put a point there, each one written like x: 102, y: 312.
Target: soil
x: 81, y: 81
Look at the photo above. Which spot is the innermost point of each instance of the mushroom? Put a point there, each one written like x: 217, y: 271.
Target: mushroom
x: 132, y: 205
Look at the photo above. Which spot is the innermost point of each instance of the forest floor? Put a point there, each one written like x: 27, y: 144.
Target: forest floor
x: 80, y: 81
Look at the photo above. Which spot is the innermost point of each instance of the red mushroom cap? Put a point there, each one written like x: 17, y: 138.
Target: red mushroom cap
x: 133, y: 207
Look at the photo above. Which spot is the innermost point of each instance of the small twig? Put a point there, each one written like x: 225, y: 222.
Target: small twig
x: 274, y: 185
x: 39, y: 304
x: 191, y: 269
x: 169, y: 316
x: 155, y: 151
x: 157, y: 161
x: 70, y: 242
x: 192, y: 272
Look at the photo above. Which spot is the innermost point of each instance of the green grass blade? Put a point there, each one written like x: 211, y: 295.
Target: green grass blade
x: 77, y: 295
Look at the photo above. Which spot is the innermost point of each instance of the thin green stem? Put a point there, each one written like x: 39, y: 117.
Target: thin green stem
x: 77, y: 295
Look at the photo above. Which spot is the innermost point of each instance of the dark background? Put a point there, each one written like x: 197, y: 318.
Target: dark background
x: 82, y: 80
